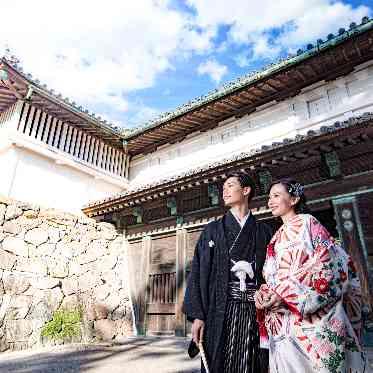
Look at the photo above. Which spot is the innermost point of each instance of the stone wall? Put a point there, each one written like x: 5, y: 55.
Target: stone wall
x: 51, y: 260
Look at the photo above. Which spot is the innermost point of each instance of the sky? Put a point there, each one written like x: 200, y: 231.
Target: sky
x: 131, y: 60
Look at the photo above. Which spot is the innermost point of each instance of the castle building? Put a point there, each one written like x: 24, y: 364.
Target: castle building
x: 309, y: 117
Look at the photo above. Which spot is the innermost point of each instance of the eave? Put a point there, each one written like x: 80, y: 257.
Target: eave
x: 21, y: 87
x: 326, y: 61
x: 328, y: 138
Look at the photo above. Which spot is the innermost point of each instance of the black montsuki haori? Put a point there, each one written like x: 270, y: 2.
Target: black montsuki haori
x: 231, y: 339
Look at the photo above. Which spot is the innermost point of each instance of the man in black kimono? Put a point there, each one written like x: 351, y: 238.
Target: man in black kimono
x: 226, y: 271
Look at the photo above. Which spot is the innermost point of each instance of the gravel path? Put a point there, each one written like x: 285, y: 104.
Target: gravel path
x: 132, y: 355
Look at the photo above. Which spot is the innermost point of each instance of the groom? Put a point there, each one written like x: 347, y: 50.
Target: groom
x: 226, y: 271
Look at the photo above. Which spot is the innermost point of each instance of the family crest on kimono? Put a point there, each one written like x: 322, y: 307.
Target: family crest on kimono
x: 225, y: 273
x: 309, y: 310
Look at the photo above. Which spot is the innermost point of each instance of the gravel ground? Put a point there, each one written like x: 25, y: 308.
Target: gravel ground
x: 132, y: 355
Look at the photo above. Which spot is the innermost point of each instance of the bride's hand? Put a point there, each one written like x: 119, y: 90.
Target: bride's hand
x: 261, y: 297
x: 272, y: 300
x: 258, y: 298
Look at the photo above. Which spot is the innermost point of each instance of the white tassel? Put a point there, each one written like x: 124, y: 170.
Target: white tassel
x: 242, y: 269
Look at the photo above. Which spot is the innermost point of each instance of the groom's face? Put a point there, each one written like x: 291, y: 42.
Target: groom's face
x: 233, y: 193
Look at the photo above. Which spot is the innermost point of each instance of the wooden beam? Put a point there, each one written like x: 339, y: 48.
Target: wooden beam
x: 338, y: 144
x: 239, y: 101
x: 332, y: 57
x: 244, y: 111
x: 226, y: 102
x: 194, y: 119
x: 271, y: 89
x: 10, y: 86
x: 6, y: 101
x: 365, y: 137
x: 288, y: 159
x: 204, y: 116
x: 186, y: 124
x: 261, y: 90
x: 217, y: 109
x: 249, y: 96
x: 209, y: 126
x: 138, y: 142
x: 351, y: 141
x: 344, y: 54
x: 152, y: 135
x: 168, y: 128
x: 344, y: 70
x: 190, y: 121
x: 300, y: 155
x: 278, y: 162
x: 312, y: 69
x: 300, y: 74
x: 281, y: 79
x: 6, y: 93
x: 313, y: 152
x: 325, y: 148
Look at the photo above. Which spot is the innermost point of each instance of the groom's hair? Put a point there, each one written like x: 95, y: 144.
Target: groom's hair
x: 245, y: 180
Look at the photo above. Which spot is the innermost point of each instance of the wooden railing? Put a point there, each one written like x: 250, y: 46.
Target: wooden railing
x: 162, y: 293
x: 86, y: 149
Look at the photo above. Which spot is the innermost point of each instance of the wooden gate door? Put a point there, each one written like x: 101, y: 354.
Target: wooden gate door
x: 169, y: 264
x: 161, y: 288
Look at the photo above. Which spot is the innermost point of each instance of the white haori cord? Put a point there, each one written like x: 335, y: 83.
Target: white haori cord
x: 241, y: 269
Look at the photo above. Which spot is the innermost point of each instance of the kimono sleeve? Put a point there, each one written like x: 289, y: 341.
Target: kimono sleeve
x: 196, y: 300
x: 318, y: 281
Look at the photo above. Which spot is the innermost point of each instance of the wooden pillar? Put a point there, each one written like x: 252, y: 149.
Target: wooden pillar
x: 181, y: 248
x: 143, y: 285
x: 351, y: 234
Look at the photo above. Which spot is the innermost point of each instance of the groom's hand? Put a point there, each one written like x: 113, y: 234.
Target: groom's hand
x: 197, y: 330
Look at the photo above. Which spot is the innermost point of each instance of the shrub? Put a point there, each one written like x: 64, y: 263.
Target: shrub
x: 64, y: 324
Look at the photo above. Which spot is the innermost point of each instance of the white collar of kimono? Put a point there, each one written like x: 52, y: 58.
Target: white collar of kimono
x: 243, y: 220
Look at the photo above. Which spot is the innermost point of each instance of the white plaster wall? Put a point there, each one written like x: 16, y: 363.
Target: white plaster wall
x: 318, y: 105
x: 31, y: 177
x: 8, y: 163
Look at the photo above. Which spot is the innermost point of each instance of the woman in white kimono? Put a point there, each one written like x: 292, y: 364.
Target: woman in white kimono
x: 309, y: 310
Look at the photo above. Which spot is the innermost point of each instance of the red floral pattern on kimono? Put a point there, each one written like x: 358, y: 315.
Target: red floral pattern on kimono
x: 321, y: 309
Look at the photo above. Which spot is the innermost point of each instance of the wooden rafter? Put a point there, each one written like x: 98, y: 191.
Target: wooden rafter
x: 216, y: 111
x: 229, y: 105
x: 239, y: 100
x: 280, y: 79
x: 269, y: 87
x: 11, y: 88
x: 185, y: 124
x: 249, y: 96
x: 191, y: 121
x: 300, y: 74
x: 345, y: 56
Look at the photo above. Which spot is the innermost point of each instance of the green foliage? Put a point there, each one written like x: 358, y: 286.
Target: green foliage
x: 65, y: 324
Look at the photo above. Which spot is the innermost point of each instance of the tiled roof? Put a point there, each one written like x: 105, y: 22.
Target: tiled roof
x: 366, y: 117
x: 64, y: 101
x: 252, y: 77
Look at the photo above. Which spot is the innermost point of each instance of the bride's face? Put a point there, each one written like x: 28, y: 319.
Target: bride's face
x: 280, y: 201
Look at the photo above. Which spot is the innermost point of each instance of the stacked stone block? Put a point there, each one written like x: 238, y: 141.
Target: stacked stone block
x: 51, y: 260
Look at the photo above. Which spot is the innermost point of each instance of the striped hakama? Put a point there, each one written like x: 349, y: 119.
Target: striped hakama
x: 241, y: 337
